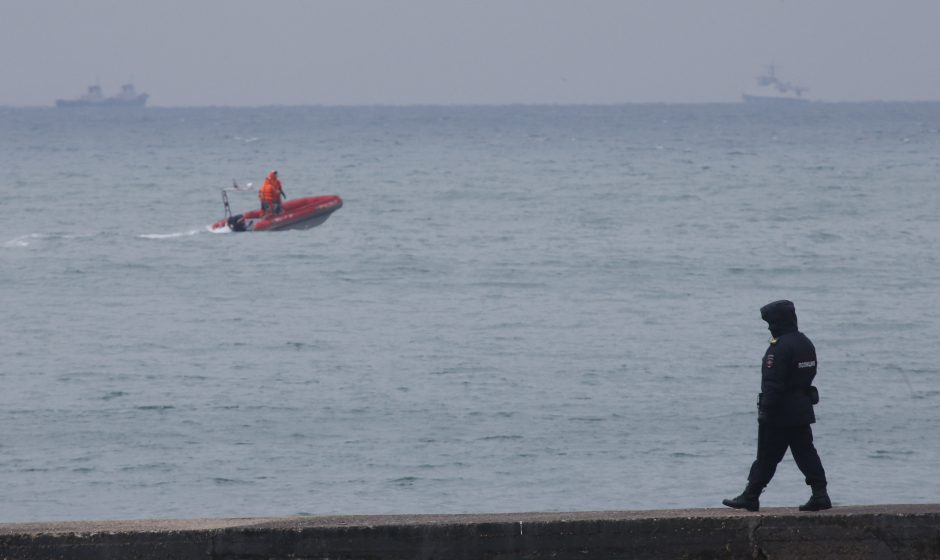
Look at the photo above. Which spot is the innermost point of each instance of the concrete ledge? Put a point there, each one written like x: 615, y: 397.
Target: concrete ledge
x: 891, y: 531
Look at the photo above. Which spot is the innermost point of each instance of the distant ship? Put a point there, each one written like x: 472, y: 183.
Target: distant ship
x: 773, y: 91
x: 95, y: 98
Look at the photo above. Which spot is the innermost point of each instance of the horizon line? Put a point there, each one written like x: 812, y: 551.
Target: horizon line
x: 810, y: 103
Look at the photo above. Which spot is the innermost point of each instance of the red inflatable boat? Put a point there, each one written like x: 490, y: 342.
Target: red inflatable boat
x: 297, y: 213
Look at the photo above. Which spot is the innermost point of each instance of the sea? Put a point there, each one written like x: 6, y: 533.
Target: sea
x: 518, y: 308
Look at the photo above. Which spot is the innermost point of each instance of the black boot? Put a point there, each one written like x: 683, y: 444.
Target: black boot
x: 819, y: 500
x: 749, y: 499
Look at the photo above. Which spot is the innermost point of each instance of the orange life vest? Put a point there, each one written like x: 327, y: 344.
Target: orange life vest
x: 271, y: 190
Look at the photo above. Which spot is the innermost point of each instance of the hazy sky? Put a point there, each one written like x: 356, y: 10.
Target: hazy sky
x: 351, y: 52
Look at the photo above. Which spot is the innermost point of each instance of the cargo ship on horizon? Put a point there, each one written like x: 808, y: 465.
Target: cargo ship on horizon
x: 95, y: 98
x: 771, y: 90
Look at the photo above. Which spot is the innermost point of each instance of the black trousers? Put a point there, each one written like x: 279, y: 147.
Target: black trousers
x: 772, y: 445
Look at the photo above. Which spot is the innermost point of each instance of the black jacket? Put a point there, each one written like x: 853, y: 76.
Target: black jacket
x: 787, y: 371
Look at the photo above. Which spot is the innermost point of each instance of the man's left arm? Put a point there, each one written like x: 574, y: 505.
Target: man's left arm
x: 774, y: 382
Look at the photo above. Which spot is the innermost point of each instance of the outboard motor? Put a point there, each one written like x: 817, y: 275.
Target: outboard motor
x: 236, y: 222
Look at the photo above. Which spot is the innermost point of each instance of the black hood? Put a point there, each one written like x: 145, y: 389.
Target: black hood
x: 780, y: 316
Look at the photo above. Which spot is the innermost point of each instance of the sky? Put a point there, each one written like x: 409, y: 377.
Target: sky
x: 411, y: 52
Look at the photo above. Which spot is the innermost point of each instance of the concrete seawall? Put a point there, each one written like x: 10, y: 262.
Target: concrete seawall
x: 876, y: 532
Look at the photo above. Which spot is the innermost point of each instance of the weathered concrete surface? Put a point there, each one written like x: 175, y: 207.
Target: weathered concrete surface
x: 876, y: 532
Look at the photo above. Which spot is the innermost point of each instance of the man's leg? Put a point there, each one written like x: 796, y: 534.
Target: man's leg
x: 806, y: 456
x: 772, y: 443
x: 807, y: 459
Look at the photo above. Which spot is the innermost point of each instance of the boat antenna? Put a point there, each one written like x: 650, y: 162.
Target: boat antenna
x: 234, y: 187
x: 228, y: 209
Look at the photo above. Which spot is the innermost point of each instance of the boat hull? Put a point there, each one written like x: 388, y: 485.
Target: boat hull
x: 773, y: 101
x: 298, y: 213
x: 111, y: 102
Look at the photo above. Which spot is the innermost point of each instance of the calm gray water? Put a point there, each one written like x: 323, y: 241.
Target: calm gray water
x: 518, y: 308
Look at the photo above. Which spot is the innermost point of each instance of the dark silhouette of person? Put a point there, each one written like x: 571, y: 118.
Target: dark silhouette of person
x: 785, y: 411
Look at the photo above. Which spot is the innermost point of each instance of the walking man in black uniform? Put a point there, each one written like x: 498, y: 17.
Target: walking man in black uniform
x: 785, y: 411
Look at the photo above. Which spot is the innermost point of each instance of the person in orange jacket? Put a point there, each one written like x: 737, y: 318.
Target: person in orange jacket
x: 270, y: 194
